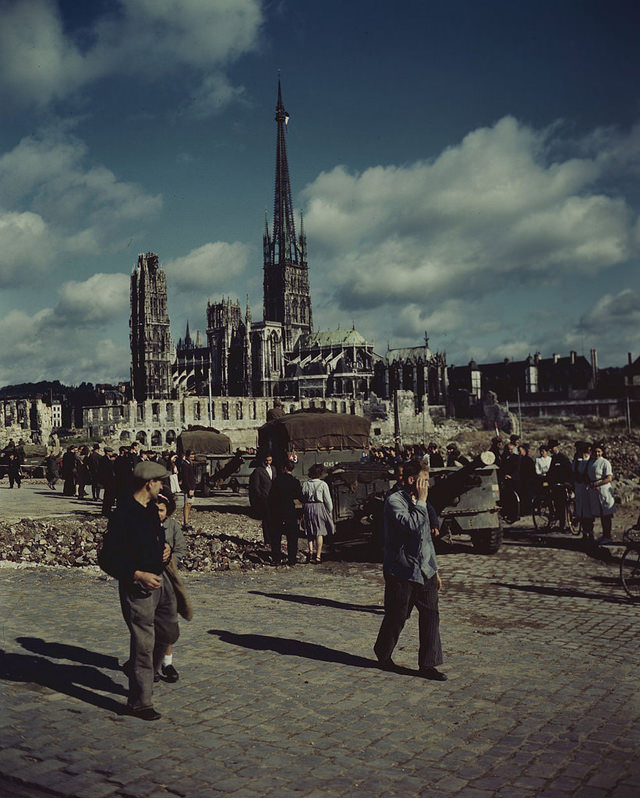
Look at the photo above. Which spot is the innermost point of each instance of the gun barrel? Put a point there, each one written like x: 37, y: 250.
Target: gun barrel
x: 449, y: 487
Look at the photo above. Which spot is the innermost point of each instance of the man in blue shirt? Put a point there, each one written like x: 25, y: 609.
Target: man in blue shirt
x: 410, y: 573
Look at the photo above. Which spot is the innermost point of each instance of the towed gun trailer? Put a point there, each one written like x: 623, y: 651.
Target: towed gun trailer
x: 214, y: 464
x: 465, y: 499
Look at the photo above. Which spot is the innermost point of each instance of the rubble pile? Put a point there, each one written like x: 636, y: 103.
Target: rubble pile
x: 219, y: 542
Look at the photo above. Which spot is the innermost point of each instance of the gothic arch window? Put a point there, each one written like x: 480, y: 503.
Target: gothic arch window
x: 294, y: 310
x: 171, y: 436
x: 142, y: 437
x: 156, y: 438
x: 303, y: 311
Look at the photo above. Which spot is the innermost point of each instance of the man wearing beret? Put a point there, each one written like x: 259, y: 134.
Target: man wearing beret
x: 147, y: 598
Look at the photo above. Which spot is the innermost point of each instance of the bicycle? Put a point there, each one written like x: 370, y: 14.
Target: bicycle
x: 630, y: 564
x: 543, y: 509
x: 509, y: 504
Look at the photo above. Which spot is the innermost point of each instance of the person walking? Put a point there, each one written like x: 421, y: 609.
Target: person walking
x: 14, y: 472
x: 94, y: 467
x: 285, y: 489
x: 175, y: 540
x: 52, y: 469
x: 188, y: 484
x: 318, y: 507
x: 134, y: 551
x: 411, y: 574
x: 260, y: 483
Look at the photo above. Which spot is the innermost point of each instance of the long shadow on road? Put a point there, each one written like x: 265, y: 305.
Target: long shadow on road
x: 564, y: 592
x: 298, y: 648
x: 76, y: 681
x: 316, y: 601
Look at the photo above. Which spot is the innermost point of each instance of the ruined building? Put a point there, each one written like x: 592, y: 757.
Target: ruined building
x: 149, y: 332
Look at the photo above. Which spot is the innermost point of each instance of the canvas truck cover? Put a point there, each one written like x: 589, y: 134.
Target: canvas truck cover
x: 309, y: 430
x: 203, y: 441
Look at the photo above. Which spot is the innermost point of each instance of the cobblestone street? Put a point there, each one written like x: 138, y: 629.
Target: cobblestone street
x: 279, y: 695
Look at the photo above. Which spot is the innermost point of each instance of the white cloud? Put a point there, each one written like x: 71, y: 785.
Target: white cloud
x: 208, y: 268
x: 615, y: 313
x: 100, y: 299
x: 25, y: 244
x: 41, y: 62
x: 58, y: 204
x: 67, y: 341
x: 489, y: 212
x: 213, y: 95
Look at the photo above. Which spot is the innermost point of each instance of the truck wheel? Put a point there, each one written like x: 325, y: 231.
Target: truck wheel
x: 486, y: 541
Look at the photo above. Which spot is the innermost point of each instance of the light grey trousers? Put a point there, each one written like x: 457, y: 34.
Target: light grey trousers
x: 152, y: 618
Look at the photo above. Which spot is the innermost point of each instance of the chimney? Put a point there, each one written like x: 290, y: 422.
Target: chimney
x: 555, y: 357
x: 572, y: 355
x: 629, y: 358
x: 594, y: 366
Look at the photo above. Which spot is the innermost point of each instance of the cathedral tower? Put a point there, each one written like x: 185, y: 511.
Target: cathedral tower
x: 149, y: 332
x: 286, y: 274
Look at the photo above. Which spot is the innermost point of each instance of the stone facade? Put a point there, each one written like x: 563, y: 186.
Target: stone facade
x: 156, y: 424
x: 31, y: 420
x: 149, y: 332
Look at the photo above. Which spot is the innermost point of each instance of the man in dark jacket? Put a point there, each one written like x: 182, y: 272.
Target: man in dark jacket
x: 147, y: 598
x: 69, y: 471
x: 107, y: 478
x: 260, y: 483
x: 93, y: 464
x: 285, y: 489
x: 560, y: 475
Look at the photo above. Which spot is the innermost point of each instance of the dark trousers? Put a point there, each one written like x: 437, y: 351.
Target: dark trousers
x: 108, y: 500
x: 95, y: 491
x: 290, y: 529
x: 152, y: 618
x: 14, y: 478
x: 400, y: 597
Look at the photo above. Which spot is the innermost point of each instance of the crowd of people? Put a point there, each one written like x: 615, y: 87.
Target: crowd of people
x: 110, y: 473
x: 589, y: 476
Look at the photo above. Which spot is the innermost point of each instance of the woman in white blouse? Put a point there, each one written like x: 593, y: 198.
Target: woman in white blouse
x: 601, y: 499
x: 317, y: 511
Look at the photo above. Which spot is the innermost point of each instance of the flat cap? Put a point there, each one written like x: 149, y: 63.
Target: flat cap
x: 147, y: 470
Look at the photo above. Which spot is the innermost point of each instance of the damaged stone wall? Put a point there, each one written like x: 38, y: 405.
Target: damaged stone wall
x: 157, y: 424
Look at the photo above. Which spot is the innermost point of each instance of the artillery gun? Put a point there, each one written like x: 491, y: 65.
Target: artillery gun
x: 465, y: 498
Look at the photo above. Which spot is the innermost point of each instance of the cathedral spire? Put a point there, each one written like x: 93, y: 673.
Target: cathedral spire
x: 284, y: 232
x: 286, y: 279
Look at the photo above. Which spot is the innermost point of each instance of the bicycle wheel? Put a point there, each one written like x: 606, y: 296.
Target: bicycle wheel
x: 541, y: 513
x: 630, y: 572
x: 573, y: 522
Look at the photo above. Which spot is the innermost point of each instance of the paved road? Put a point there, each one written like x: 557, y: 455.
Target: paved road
x: 278, y: 694
x: 36, y: 500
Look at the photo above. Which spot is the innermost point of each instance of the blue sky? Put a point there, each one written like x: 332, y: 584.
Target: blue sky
x: 466, y: 168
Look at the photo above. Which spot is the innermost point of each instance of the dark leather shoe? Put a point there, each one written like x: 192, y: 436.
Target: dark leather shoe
x: 156, y: 677
x: 432, y: 673
x: 387, y: 665
x: 169, y: 673
x: 146, y: 713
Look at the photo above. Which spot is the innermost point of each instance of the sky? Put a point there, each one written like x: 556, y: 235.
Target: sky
x: 467, y: 169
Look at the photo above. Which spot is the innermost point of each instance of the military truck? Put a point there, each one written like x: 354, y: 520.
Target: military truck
x: 212, y: 453
x: 315, y: 436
